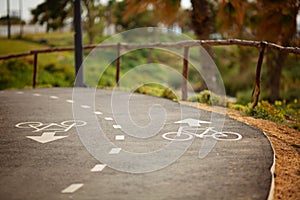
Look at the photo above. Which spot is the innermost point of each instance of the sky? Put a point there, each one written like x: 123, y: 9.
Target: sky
x: 27, y: 5
x: 15, y: 7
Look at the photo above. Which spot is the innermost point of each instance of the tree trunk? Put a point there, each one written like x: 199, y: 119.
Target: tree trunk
x: 275, y: 61
x: 202, y: 22
x: 201, y: 19
x: 89, y: 5
x: 47, y: 27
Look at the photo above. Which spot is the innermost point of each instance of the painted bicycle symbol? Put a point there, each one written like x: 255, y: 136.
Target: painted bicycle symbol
x: 187, y: 133
x: 49, y: 130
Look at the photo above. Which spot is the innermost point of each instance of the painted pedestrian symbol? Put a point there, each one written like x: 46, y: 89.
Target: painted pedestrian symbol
x: 185, y: 133
x: 49, y: 130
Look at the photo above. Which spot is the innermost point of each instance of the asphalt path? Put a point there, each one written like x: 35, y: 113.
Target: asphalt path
x: 49, y: 158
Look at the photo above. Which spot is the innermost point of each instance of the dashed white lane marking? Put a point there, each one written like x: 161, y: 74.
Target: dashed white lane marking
x: 115, y: 150
x: 53, y: 97
x: 98, y: 113
x: 108, y: 118
x: 36, y: 94
x: 85, y: 106
x: 117, y: 126
x: 72, y: 188
x: 69, y: 101
x: 20, y: 92
x: 119, y: 137
x: 98, y: 168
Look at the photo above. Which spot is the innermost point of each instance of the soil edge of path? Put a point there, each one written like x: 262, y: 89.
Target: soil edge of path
x: 286, y: 144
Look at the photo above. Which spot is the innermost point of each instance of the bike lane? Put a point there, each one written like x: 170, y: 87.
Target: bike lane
x: 62, y: 168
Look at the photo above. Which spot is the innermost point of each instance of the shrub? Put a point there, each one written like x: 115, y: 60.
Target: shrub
x: 280, y: 112
x: 15, y: 74
x: 158, y: 91
x: 169, y: 94
x: 149, y: 90
x: 208, y: 97
x: 238, y: 107
x: 57, y: 75
x: 265, y: 110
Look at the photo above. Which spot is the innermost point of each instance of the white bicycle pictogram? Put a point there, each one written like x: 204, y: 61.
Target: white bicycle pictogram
x: 51, y: 127
x: 187, y: 133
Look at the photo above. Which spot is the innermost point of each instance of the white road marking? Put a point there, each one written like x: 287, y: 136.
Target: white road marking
x: 115, y: 150
x: 46, y: 137
x: 119, y: 137
x: 192, y: 122
x: 98, y: 113
x: 69, y: 101
x: 108, y: 118
x: 53, y: 97
x: 72, y: 188
x: 36, y: 95
x: 117, y: 126
x: 85, y: 106
x: 20, y: 92
x: 98, y: 168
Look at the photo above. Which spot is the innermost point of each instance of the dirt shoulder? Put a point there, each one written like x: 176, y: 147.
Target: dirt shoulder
x: 286, y: 143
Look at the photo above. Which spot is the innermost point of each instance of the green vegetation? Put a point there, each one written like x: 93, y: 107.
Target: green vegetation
x: 272, y: 21
x: 17, y: 46
x: 158, y: 91
x: 208, y: 97
x: 238, y: 76
x: 18, y: 74
x: 279, y: 112
x: 55, y: 39
x: 57, y: 69
x: 15, y: 74
x: 54, y: 69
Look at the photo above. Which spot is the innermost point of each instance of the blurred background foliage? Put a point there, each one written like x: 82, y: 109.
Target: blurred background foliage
x: 270, y: 20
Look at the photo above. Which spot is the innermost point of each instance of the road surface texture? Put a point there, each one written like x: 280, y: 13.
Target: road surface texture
x: 46, y: 159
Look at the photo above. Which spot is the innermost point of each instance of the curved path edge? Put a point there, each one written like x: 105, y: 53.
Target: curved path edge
x: 272, y: 168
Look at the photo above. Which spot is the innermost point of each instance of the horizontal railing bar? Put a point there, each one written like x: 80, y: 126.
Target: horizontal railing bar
x: 187, y: 43
x: 15, y: 55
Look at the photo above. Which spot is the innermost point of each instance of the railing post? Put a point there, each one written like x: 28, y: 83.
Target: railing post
x: 256, y: 90
x: 118, y: 64
x: 185, y: 74
x: 35, y: 60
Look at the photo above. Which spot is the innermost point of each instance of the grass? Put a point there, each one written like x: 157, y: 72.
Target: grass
x: 17, y: 46
x: 54, y: 69
x: 55, y: 39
